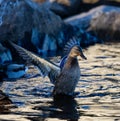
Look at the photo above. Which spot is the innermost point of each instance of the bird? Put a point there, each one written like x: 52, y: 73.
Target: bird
x: 64, y: 76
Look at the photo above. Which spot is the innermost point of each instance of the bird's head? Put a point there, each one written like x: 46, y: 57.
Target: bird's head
x: 77, y: 51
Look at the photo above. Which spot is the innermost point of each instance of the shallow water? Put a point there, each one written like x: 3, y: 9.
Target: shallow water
x: 98, y: 91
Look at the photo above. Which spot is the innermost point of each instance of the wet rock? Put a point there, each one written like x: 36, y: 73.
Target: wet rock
x: 5, y: 55
x: 106, y: 23
x: 112, y: 2
x: 16, y: 70
x: 36, y: 28
x: 25, y: 15
x: 65, y: 7
x: 102, y: 22
x: 13, y: 71
x: 31, y: 25
x: 40, y: 1
x: 51, y: 45
x: 45, y: 44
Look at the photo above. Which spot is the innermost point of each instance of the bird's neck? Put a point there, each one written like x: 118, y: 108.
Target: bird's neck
x: 71, y: 61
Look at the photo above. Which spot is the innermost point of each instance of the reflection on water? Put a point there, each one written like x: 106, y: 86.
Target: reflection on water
x: 98, y: 100
x: 62, y: 107
x: 68, y: 107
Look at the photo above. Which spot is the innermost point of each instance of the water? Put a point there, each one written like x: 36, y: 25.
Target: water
x: 97, y: 93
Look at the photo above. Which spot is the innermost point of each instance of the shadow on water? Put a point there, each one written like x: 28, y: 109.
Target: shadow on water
x: 62, y: 107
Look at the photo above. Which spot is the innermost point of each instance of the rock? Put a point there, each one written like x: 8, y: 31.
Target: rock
x: 15, y: 71
x: 40, y: 1
x: 5, y: 55
x: 30, y: 26
x: 106, y: 24
x: 65, y: 7
x: 102, y: 22
x: 36, y: 28
x: 26, y: 15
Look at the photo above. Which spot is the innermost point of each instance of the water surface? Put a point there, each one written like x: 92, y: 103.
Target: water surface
x: 97, y: 93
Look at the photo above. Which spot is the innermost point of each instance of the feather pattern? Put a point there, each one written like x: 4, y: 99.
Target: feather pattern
x: 70, y: 44
x: 66, y: 76
x: 62, y: 62
x: 44, y: 66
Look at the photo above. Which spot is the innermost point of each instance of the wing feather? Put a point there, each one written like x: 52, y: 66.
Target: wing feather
x: 44, y: 66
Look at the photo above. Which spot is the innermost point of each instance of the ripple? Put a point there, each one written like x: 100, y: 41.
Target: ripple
x: 97, y: 97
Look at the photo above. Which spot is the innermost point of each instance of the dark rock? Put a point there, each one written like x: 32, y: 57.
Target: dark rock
x: 36, y: 28
x: 5, y: 55
x: 112, y: 2
x: 65, y: 7
x: 26, y: 15
x: 40, y: 1
x: 102, y: 22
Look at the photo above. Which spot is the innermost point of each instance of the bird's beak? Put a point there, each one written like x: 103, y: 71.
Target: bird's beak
x: 83, y: 56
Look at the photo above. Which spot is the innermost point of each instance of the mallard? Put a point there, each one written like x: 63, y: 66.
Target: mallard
x: 64, y: 77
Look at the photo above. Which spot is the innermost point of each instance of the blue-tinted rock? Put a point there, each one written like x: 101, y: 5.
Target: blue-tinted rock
x: 102, y: 21
x: 5, y: 55
x: 26, y: 15
x: 16, y: 70
x: 12, y: 71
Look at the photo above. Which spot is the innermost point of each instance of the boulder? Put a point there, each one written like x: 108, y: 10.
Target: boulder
x: 28, y: 19
x: 102, y: 21
x: 26, y: 15
x: 65, y: 7
x: 36, y: 28
x: 40, y: 1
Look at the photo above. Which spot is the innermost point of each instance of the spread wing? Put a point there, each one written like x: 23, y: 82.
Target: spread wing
x: 46, y: 68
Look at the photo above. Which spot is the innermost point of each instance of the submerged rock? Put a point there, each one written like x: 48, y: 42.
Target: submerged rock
x: 16, y: 70
x: 13, y: 71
